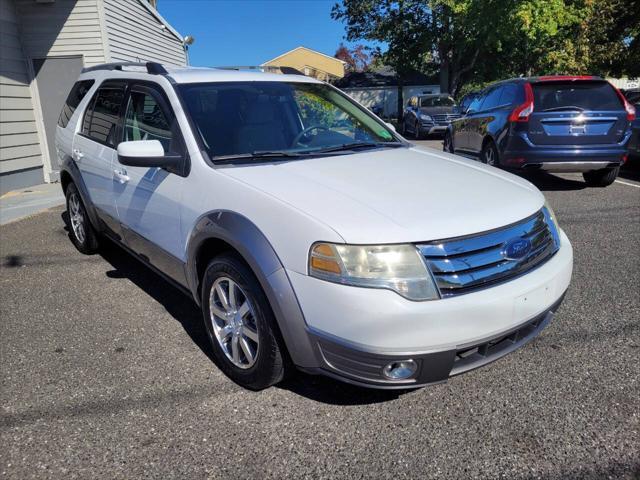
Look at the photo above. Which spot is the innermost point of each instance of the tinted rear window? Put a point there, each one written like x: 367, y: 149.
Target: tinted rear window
x: 585, y: 95
x: 512, y: 94
x: 633, y: 97
x: 102, y: 118
x: 492, y: 100
x: 76, y: 95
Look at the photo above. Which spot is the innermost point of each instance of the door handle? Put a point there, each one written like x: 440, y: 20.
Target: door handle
x: 121, y: 176
x: 77, y: 154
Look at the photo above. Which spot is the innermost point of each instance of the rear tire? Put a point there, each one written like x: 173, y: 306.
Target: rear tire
x: 601, y: 178
x: 489, y: 154
x: 243, y: 334
x: 81, y: 232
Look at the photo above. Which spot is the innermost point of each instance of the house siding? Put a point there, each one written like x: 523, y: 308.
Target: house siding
x: 62, y: 28
x: 135, y: 34
x: 316, y: 64
x: 19, y: 140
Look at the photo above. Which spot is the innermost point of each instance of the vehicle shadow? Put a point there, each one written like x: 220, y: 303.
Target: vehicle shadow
x: 631, y: 171
x: 176, y: 303
x: 551, y: 183
x: 333, y: 392
x: 185, y: 311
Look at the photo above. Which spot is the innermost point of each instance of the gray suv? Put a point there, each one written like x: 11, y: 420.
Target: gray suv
x: 428, y: 115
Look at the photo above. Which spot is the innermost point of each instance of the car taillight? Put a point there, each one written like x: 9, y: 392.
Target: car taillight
x: 522, y: 112
x: 630, y: 109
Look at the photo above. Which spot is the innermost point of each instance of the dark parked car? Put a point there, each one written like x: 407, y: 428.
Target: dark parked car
x: 428, y: 115
x: 553, y: 123
x: 633, y: 97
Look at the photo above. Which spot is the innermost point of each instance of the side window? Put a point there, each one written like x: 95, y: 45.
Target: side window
x: 74, y: 98
x: 492, y: 100
x: 477, y: 103
x: 145, y: 120
x: 509, y: 95
x: 101, y: 120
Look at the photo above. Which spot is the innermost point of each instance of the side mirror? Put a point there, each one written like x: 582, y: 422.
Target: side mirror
x: 390, y: 125
x: 149, y: 154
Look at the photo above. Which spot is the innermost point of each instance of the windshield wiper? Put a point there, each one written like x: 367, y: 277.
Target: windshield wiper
x: 284, y: 154
x: 566, y: 107
x: 355, y: 146
x: 257, y: 154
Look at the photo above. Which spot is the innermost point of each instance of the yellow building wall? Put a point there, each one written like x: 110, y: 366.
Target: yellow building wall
x: 302, y: 58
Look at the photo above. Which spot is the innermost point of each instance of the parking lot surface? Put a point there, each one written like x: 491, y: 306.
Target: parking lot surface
x: 106, y: 373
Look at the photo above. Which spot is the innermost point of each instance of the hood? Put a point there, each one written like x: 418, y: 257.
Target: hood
x: 396, y: 195
x: 436, y: 110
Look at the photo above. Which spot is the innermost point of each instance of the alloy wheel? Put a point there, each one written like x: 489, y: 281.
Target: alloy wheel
x: 76, y: 216
x: 490, y: 157
x: 234, y: 322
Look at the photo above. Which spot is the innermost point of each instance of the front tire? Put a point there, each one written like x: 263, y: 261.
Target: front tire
x: 81, y: 232
x: 240, y: 324
x: 447, y: 143
x: 601, y: 178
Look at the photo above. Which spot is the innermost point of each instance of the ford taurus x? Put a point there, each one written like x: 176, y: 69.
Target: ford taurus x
x: 310, y: 234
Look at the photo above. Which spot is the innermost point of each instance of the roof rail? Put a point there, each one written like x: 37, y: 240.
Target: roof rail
x: 265, y: 68
x: 153, y: 68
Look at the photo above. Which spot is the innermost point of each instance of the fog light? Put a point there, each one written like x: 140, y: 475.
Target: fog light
x: 400, y: 370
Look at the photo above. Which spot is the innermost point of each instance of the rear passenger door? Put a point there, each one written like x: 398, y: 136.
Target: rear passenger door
x: 148, y: 199
x: 478, y: 122
x: 94, y: 147
x: 462, y: 133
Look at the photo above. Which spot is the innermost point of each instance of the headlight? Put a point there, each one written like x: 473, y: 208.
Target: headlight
x: 426, y: 118
x: 550, y: 218
x: 394, y: 267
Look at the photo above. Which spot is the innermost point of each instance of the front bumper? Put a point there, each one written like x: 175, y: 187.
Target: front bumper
x: 432, y: 128
x: 365, y: 369
x: 354, y: 332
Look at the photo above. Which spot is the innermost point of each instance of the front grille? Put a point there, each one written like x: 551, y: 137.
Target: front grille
x: 445, y: 118
x: 463, y: 265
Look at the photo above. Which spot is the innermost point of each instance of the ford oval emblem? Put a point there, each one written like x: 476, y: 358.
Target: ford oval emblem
x: 516, y: 248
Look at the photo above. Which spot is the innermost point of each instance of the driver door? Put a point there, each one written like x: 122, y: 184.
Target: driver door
x: 148, y: 199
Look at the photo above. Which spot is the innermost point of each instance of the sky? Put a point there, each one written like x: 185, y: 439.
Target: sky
x: 250, y: 32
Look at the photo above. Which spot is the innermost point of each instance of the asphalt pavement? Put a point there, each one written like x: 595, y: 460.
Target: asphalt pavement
x: 106, y: 372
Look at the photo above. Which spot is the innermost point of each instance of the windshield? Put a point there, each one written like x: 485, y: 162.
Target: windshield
x: 437, y: 102
x: 242, y: 118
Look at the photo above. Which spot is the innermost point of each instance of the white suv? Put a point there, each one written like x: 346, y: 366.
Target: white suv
x: 308, y: 231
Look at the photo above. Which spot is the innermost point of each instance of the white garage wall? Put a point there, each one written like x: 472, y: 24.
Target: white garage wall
x: 19, y: 142
x: 136, y: 34
x: 63, y: 27
x: 387, y: 97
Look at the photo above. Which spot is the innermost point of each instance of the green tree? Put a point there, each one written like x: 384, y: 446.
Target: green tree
x: 479, y: 41
x: 392, y: 22
x: 436, y: 36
